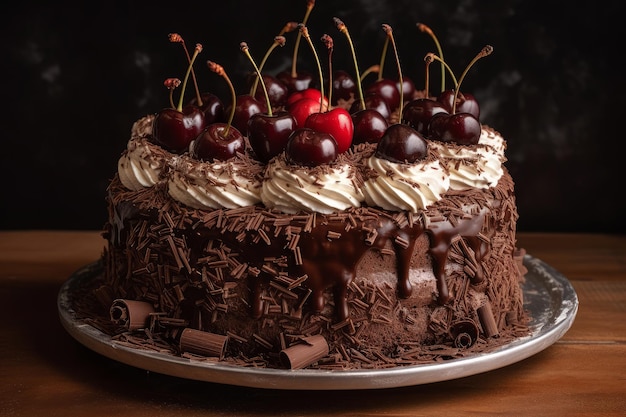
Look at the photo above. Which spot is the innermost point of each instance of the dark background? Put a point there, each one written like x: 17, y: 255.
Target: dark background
x: 74, y: 78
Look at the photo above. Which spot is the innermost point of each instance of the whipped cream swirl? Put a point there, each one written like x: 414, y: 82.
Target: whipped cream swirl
x: 229, y: 184
x: 142, y: 164
x: 474, y: 166
x: 401, y: 186
x: 322, y: 189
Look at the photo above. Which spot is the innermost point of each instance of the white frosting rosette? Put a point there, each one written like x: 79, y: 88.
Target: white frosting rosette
x: 405, y: 186
x: 323, y: 189
x: 142, y: 164
x: 474, y: 166
x: 220, y: 184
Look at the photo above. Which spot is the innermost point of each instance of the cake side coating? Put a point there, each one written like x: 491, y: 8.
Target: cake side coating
x: 383, y: 288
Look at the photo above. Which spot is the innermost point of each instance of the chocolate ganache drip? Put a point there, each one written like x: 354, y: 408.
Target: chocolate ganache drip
x: 325, y: 250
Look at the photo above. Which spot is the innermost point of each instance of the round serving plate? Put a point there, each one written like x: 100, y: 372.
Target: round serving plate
x: 548, y: 296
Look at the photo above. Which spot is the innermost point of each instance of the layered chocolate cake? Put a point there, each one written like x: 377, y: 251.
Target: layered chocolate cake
x: 398, y: 250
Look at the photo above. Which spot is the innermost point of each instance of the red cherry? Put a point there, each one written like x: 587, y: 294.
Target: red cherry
x: 302, y: 108
x: 388, y: 90
x: 246, y: 106
x: 408, y: 88
x: 466, y: 103
x: 301, y: 81
x: 344, y: 87
x: 309, y: 147
x: 369, y: 126
x: 372, y: 101
x: 268, y: 135
x: 402, y: 144
x: 212, y: 108
x: 276, y: 91
x: 312, y: 93
x: 461, y: 128
x: 336, y: 122
x: 417, y: 113
x: 174, y: 130
x: 216, y: 143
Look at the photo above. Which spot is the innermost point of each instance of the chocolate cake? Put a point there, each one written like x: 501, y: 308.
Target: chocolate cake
x: 362, y: 258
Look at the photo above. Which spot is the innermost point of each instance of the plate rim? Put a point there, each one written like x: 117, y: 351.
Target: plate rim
x: 543, y: 334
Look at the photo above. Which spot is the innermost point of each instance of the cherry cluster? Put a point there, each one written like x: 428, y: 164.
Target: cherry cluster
x: 291, y: 112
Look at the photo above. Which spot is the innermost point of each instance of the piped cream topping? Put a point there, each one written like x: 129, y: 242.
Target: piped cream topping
x: 326, y: 189
x: 400, y: 186
x: 474, y: 166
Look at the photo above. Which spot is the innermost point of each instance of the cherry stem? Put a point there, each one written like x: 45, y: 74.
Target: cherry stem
x: 294, y: 59
x: 330, y: 44
x: 196, y: 51
x: 383, y: 55
x: 278, y: 41
x: 244, y: 48
x: 428, y: 59
x: 487, y: 50
x: 373, y: 68
x: 389, y: 31
x: 305, y: 34
x: 171, y: 84
x: 436, y: 58
x: 175, y: 37
x: 343, y: 29
x: 219, y: 70
x: 422, y: 27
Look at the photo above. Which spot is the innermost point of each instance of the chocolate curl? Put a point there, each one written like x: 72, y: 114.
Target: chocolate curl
x: 464, y: 333
x: 131, y: 314
x: 203, y: 343
x: 301, y: 355
x: 490, y: 327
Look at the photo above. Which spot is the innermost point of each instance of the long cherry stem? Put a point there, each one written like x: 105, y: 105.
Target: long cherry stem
x: 305, y: 34
x: 294, y: 60
x: 389, y: 31
x: 436, y: 58
x: 244, y: 48
x: 196, y: 51
x: 428, y: 59
x: 487, y: 50
x: 383, y: 55
x: 171, y: 84
x: 175, y: 37
x: 330, y: 46
x: 343, y: 29
x: 429, y: 31
x: 278, y: 41
x: 219, y: 70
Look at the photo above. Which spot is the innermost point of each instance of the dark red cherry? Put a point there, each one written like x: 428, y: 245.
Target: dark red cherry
x: 408, y: 88
x: 301, y: 81
x: 174, y: 130
x: 214, y: 143
x: 417, y: 113
x: 388, y: 90
x: 461, y: 128
x: 372, y: 101
x: 245, y: 107
x: 369, y: 126
x: 311, y: 148
x: 466, y: 103
x: 402, y: 144
x: 276, y: 90
x: 212, y: 108
x: 344, y: 87
x: 268, y: 135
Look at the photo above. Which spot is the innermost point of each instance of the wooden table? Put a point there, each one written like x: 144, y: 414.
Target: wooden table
x: 45, y: 372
